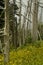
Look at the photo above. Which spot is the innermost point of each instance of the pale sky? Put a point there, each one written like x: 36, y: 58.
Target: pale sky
x: 25, y: 2
x: 24, y: 10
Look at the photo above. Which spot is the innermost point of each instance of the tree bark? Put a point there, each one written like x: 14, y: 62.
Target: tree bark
x: 6, y: 33
x: 35, y: 21
x: 20, y: 26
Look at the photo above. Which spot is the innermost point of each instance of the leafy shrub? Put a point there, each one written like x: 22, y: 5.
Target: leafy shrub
x: 37, y: 43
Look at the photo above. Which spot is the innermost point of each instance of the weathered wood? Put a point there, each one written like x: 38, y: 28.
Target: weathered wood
x: 35, y: 20
x: 6, y: 33
x: 20, y: 25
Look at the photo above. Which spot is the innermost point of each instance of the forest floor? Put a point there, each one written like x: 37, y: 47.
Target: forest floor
x: 31, y: 54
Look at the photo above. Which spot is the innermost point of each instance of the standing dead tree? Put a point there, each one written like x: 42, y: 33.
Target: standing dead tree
x: 29, y: 11
x: 20, y: 24
x: 29, y: 16
x: 6, y: 33
x: 35, y: 20
x: 12, y: 23
x: 24, y: 21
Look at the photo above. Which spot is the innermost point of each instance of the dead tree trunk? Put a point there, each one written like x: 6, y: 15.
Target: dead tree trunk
x: 23, y: 30
x: 24, y: 21
x: 11, y: 12
x: 6, y: 33
x: 29, y: 16
x: 13, y: 23
x: 20, y: 25
x: 35, y: 21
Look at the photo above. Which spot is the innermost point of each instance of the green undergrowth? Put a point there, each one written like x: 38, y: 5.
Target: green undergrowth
x: 30, y: 54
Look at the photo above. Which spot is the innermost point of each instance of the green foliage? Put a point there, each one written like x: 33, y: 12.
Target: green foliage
x: 28, y: 55
x: 37, y: 43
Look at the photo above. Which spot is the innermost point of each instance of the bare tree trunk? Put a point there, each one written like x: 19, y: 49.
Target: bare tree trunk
x: 12, y: 23
x: 24, y: 21
x: 13, y: 27
x: 23, y: 30
x: 35, y: 20
x: 20, y: 25
x: 16, y: 33
x: 6, y: 32
x: 29, y: 16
